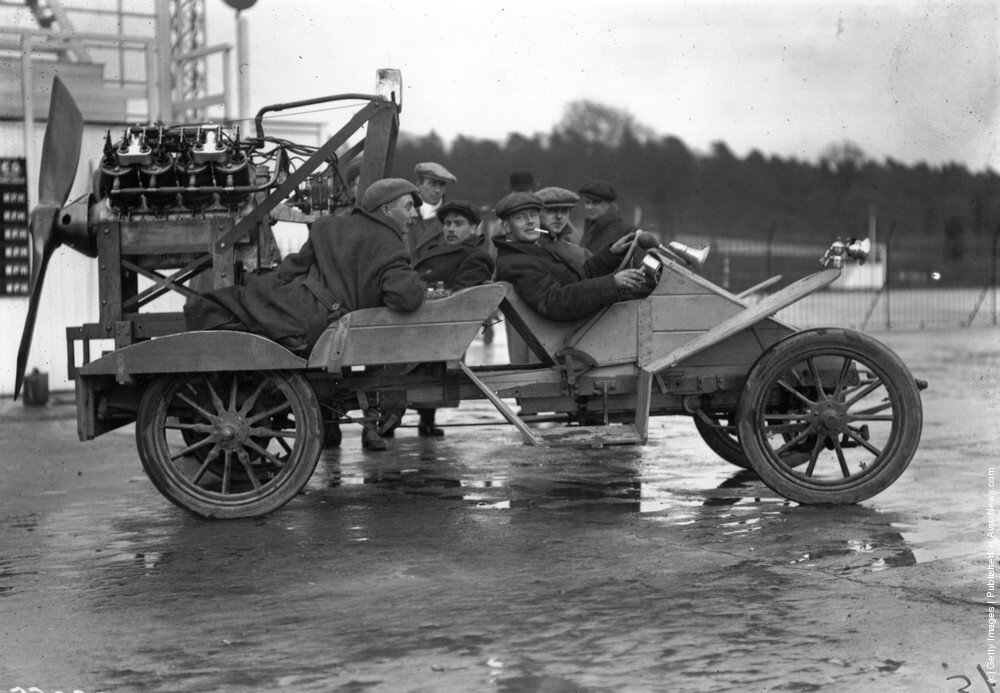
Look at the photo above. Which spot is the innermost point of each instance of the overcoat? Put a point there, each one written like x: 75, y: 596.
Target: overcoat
x: 458, y: 266
x: 556, y: 287
x: 563, y: 245
x: 604, y: 230
x: 423, y: 234
x: 347, y: 263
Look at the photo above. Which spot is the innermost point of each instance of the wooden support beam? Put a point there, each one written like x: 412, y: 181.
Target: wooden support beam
x: 505, y: 411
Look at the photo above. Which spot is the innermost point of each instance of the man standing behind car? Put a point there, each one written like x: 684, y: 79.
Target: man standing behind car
x: 604, y: 224
x: 432, y: 182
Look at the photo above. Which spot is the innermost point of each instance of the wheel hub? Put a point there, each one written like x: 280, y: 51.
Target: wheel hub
x: 230, y: 431
x: 829, y: 418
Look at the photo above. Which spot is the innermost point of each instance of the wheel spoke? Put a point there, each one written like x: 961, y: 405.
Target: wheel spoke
x: 212, y: 455
x: 232, y: 392
x: 845, y: 370
x: 787, y: 428
x: 197, y: 407
x: 245, y: 461
x: 286, y: 446
x: 813, y: 456
x: 227, y: 471
x: 792, y: 443
x: 200, y: 428
x: 261, y: 431
x: 864, y: 392
x: 873, y: 417
x: 270, y: 412
x: 854, y: 435
x: 872, y: 410
x: 814, y: 371
x: 840, y: 458
x: 264, y: 453
x: 252, y: 399
x: 216, y: 400
x: 792, y: 390
x: 191, y: 448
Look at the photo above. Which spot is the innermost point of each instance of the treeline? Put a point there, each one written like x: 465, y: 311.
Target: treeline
x: 946, y: 212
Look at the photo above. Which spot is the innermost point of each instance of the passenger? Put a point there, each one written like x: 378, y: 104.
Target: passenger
x: 555, y: 222
x: 432, y: 183
x: 554, y: 286
x: 352, y: 174
x: 604, y: 224
x: 347, y: 263
x: 459, y: 262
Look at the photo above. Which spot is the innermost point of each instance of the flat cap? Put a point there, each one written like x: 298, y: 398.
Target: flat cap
x: 557, y: 197
x: 463, y: 207
x: 515, y: 202
x: 601, y: 189
x: 429, y: 169
x: 386, y: 190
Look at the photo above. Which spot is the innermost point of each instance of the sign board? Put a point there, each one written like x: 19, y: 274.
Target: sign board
x: 15, y: 242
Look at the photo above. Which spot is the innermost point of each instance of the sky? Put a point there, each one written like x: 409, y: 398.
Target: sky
x: 912, y: 81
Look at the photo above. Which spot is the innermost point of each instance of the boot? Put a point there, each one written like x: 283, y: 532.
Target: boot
x: 426, y: 426
x: 370, y: 439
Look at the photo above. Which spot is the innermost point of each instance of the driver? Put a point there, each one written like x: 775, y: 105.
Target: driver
x: 558, y: 287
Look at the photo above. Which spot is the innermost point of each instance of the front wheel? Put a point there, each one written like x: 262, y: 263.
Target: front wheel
x: 229, y: 445
x: 829, y: 416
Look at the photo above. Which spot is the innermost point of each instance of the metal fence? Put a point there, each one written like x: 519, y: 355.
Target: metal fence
x: 909, y: 283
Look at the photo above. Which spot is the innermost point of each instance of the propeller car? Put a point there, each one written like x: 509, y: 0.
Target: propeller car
x: 232, y: 424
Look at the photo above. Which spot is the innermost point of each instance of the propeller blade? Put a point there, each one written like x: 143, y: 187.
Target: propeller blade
x: 60, y: 148
x: 41, y: 252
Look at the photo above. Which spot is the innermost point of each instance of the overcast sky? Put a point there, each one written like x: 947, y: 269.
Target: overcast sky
x: 914, y: 81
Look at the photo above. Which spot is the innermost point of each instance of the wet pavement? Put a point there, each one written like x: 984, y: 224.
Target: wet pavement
x: 477, y: 563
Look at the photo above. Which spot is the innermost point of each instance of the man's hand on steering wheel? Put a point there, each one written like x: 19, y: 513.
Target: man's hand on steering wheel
x: 623, y: 243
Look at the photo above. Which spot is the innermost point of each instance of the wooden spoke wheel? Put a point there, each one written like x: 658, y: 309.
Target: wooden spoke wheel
x: 229, y: 445
x: 718, y: 430
x: 829, y: 416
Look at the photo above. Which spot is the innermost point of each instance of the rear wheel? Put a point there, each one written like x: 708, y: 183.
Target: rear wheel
x: 718, y: 430
x: 829, y: 416
x: 229, y: 445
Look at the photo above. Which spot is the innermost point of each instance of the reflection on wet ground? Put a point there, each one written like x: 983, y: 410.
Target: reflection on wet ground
x: 478, y: 563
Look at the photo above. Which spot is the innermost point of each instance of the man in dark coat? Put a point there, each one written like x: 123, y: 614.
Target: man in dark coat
x: 347, y: 263
x: 432, y: 182
x: 604, y: 224
x: 458, y: 262
x: 553, y: 285
x: 557, y: 203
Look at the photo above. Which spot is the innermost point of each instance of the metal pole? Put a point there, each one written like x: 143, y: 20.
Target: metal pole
x: 28, y: 101
x: 165, y: 103
x: 993, y: 273
x: 242, y: 66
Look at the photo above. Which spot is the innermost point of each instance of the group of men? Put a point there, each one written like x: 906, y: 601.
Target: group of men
x: 402, y: 238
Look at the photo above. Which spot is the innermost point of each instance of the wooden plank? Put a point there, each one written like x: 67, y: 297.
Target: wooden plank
x: 592, y: 436
x: 746, y: 318
x: 643, y: 394
x: 613, y: 338
x: 502, y: 407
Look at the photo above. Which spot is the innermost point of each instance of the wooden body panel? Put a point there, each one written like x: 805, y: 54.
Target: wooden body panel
x: 439, y: 330
x: 195, y: 352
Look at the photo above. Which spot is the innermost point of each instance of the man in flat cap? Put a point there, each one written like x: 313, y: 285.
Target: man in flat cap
x: 603, y: 224
x: 432, y: 182
x: 557, y: 203
x: 347, y: 263
x: 558, y: 289
x: 460, y: 261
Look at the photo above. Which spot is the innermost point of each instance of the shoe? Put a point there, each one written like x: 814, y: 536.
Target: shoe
x: 370, y: 440
x: 429, y: 431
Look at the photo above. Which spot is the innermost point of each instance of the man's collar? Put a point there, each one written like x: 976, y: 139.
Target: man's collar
x: 430, y: 212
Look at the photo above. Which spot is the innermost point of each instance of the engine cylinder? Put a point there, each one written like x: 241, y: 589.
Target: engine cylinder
x: 193, y: 177
x: 234, y: 172
x: 161, y: 173
x: 115, y: 177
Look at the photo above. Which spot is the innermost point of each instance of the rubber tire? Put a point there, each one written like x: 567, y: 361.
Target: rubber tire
x: 275, y: 493
x: 725, y: 446
x: 903, y: 438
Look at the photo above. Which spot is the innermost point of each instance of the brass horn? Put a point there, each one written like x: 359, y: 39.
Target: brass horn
x: 694, y: 258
